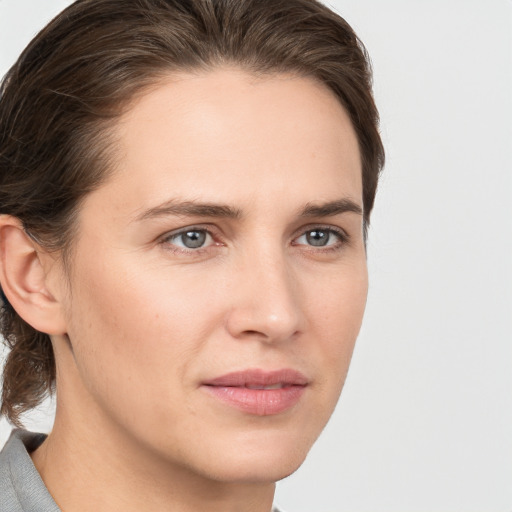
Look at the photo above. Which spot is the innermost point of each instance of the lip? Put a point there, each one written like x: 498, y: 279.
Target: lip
x: 245, y: 391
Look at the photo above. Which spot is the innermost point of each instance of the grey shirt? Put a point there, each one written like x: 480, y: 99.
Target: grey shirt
x: 21, y: 487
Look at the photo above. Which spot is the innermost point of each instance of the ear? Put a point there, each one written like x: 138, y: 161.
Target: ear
x: 28, y: 278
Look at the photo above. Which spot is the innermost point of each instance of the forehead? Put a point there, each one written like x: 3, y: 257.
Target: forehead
x: 225, y: 135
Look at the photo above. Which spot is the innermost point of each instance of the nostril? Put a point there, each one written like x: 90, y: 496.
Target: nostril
x: 253, y: 333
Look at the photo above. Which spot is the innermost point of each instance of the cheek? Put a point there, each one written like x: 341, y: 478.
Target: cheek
x: 338, y: 299
x: 335, y: 316
x: 135, y: 328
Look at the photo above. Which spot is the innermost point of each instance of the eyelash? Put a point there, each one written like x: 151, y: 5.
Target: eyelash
x: 341, y: 235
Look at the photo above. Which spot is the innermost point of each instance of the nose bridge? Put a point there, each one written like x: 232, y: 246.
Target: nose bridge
x: 266, y: 303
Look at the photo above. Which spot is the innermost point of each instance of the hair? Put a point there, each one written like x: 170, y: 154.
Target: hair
x: 81, y: 72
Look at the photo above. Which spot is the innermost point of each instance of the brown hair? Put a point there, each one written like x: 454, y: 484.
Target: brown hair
x: 79, y: 73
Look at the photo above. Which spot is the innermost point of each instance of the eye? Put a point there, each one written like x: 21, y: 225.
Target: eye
x: 190, y: 239
x: 321, y: 237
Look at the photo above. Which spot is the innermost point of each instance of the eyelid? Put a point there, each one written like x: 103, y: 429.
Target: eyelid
x: 325, y: 227
x: 192, y: 227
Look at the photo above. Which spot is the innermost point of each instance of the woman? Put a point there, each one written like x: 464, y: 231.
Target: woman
x: 185, y: 192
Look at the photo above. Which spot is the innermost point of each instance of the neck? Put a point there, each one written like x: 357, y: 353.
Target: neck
x: 90, y: 463
x: 86, y: 472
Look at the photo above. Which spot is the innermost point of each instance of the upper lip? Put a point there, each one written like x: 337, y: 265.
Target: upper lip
x: 258, y: 377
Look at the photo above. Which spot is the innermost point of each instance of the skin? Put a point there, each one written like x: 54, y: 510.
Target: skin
x: 140, y: 321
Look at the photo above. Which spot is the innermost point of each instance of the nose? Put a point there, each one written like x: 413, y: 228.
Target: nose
x: 265, y: 300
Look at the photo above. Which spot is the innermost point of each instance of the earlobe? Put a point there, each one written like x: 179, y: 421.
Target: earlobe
x: 25, y: 280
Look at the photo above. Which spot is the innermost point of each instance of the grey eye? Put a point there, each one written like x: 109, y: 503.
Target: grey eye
x: 191, y: 239
x: 318, y: 237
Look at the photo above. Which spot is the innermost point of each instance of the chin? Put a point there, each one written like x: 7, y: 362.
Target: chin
x: 260, y: 460
x: 252, y: 470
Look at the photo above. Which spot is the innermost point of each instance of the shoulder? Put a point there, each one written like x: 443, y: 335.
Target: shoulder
x: 21, y: 487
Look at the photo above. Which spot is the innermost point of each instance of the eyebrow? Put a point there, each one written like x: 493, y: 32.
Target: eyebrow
x: 199, y: 209
x: 191, y: 208
x: 331, y: 208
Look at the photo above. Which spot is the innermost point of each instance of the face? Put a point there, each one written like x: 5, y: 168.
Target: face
x: 219, y: 276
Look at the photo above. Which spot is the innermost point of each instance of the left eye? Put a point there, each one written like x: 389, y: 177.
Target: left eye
x: 191, y: 239
x: 319, y: 237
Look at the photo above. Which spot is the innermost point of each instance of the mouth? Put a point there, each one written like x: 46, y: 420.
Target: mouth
x: 280, y: 385
x: 258, y: 392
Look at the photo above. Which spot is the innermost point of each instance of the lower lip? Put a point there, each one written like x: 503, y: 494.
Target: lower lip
x: 260, y: 402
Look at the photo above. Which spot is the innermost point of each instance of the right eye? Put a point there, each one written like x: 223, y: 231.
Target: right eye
x: 191, y: 238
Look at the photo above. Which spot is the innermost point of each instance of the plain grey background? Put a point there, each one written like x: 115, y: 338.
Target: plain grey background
x: 425, y: 419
